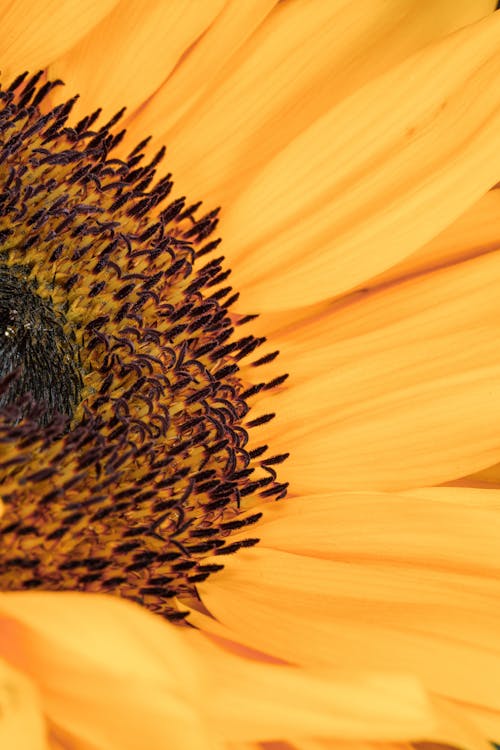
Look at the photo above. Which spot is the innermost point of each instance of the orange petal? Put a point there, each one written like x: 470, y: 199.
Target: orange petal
x: 336, y: 745
x: 457, y: 728
x: 385, y: 527
x: 297, y: 65
x: 474, y: 233
x: 486, y: 478
x: 487, y: 721
x: 21, y: 721
x: 113, y: 676
x: 36, y: 32
x: 110, y: 673
x: 396, y: 389
x: 287, y: 703
x: 471, y: 497
x: 373, y: 179
x: 318, y: 744
x: 430, y: 607
x: 127, y: 56
x: 196, y: 71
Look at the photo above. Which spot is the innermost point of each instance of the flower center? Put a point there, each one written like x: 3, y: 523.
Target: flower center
x: 111, y: 316
x: 35, y: 347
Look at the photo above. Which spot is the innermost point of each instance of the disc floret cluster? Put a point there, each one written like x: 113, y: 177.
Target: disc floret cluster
x: 136, y: 480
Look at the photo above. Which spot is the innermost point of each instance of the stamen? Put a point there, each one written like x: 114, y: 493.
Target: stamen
x: 126, y: 461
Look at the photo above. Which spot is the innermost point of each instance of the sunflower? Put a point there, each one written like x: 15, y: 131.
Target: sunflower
x: 205, y: 544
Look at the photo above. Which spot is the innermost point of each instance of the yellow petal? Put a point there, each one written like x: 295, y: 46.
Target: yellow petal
x: 456, y: 724
x: 429, y: 607
x: 110, y: 673
x: 131, y: 52
x: 374, y: 178
x: 196, y: 72
x: 339, y: 745
x: 396, y: 389
x: 279, y: 702
x: 299, y: 63
x: 36, y: 32
x: 461, y: 728
x: 386, y: 527
x: 118, y: 678
x: 471, y: 497
x: 21, y: 722
x: 486, y: 720
x: 487, y: 478
x: 474, y: 233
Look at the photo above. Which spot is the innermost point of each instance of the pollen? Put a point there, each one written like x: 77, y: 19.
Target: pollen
x: 127, y: 451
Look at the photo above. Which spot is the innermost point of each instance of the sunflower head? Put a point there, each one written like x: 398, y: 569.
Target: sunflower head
x: 124, y: 432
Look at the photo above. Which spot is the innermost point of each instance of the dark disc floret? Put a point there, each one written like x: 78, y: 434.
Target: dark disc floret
x: 126, y: 463
x: 35, y: 349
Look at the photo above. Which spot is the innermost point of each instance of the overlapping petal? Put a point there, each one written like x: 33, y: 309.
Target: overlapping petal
x: 115, y: 677
x: 282, y: 702
x: 296, y: 66
x: 36, y: 32
x: 399, y: 388
x: 198, y: 71
x: 474, y: 233
x: 486, y: 478
x: 406, y: 582
x: 129, y: 54
x: 21, y: 721
x: 374, y: 178
x: 110, y: 675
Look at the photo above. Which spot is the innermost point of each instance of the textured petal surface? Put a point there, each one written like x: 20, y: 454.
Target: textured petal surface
x: 127, y: 56
x: 429, y: 606
x: 486, y: 478
x: 114, y: 677
x: 197, y: 70
x: 474, y: 233
x: 36, y: 32
x: 283, y: 702
x: 21, y: 722
x: 299, y: 63
x: 459, y: 729
x: 385, y: 527
x: 374, y: 178
x: 101, y: 657
x: 487, y: 721
x: 394, y: 389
